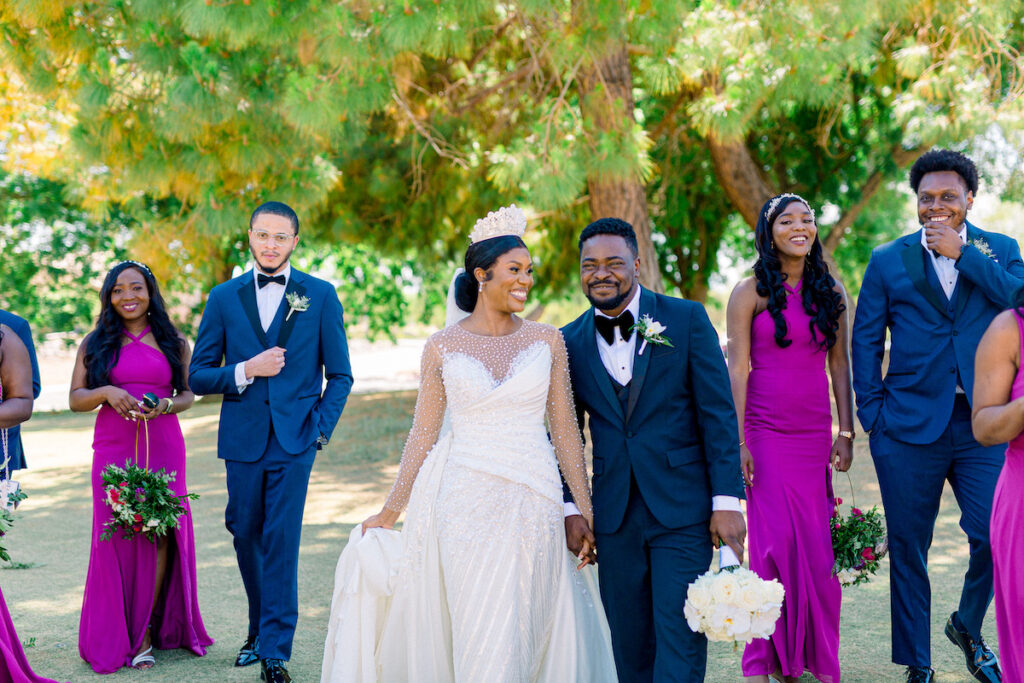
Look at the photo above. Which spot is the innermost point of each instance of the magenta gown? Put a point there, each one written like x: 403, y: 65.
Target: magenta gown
x: 118, y: 602
x: 788, y: 429
x: 1005, y: 534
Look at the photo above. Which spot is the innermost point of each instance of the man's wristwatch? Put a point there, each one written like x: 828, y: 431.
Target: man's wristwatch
x: 321, y: 440
x: 848, y: 435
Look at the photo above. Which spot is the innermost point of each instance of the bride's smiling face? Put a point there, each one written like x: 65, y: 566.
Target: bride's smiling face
x: 508, y: 282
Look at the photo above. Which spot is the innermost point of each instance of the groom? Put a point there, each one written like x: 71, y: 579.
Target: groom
x: 278, y: 332
x: 936, y: 290
x: 666, y: 455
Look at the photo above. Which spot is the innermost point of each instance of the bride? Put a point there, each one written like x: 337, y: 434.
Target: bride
x: 478, y: 586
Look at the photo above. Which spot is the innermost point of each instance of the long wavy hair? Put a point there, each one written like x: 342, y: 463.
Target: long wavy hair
x: 103, y: 347
x: 820, y: 299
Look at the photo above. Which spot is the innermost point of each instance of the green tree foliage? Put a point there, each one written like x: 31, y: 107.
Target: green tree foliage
x: 395, y: 124
x: 51, y: 248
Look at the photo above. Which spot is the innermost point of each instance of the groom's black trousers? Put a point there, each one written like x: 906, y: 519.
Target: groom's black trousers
x: 644, y: 573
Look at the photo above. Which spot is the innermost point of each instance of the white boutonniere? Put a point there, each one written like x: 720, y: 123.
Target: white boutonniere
x: 650, y: 329
x: 982, y: 246
x: 296, y: 302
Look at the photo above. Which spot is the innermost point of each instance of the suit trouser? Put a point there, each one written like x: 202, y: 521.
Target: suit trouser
x: 911, y: 478
x: 264, y: 515
x: 644, y: 571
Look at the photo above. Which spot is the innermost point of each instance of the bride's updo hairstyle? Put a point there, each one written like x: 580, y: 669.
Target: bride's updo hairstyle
x: 482, y: 255
x: 497, y: 233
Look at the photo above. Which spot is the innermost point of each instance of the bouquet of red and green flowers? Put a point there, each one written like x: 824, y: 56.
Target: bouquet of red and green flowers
x: 142, y: 502
x: 7, y: 519
x: 859, y: 542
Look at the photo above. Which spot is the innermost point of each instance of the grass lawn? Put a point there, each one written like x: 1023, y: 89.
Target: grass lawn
x: 350, y: 480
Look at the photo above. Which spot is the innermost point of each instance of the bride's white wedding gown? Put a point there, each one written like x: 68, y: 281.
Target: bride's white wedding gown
x: 479, y: 585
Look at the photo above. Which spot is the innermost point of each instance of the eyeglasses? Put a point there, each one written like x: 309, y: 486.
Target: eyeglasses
x: 280, y: 239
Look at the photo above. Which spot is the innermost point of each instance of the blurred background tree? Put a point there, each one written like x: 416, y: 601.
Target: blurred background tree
x: 392, y: 126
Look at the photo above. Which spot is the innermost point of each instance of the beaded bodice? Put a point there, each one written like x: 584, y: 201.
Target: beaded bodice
x: 498, y: 392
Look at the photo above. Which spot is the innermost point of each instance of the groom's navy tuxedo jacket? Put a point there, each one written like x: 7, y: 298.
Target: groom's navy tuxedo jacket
x: 676, y: 433
x: 314, y: 339
x: 933, y: 339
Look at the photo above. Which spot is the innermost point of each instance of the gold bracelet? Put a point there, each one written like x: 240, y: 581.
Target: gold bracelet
x: 170, y: 406
x: 848, y: 435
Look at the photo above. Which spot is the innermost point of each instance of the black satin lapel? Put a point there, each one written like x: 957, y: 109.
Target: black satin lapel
x: 641, y: 360
x: 247, y: 294
x: 914, y: 261
x: 296, y: 288
x: 593, y: 356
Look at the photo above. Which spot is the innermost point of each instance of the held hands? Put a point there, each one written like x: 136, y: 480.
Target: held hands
x: 842, y: 454
x: 942, y: 239
x: 580, y: 539
x: 384, y: 519
x: 266, y: 364
x: 727, y: 526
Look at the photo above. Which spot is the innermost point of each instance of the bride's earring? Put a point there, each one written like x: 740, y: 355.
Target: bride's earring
x: 481, y: 288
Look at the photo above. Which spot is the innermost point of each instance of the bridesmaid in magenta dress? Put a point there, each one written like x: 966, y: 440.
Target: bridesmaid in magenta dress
x: 15, y: 408
x: 138, y: 594
x: 786, y: 324
x: 998, y: 417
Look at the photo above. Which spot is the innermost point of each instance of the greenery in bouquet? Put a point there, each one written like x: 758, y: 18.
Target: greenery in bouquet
x: 141, y: 502
x: 7, y: 520
x: 859, y: 542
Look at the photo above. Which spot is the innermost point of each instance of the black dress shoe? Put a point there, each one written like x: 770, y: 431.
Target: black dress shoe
x: 920, y: 674
x: 250, y: 652
x: 273, y: 671
x: 981, y: 661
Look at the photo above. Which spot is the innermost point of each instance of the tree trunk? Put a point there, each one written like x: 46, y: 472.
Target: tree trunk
x: 739, y: 176
x: 606, y: 93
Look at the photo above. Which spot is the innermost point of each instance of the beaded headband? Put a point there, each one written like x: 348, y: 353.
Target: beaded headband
x: 136, y: 263
x: 774, y: 204
x: 508, y: 220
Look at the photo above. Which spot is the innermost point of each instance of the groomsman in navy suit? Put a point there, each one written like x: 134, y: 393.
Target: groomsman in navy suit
x: 936, y: 291
x: 667, y: 476
x: 21, y: 328
x: 266, y: 341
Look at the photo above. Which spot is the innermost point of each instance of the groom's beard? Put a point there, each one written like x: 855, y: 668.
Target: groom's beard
x: 267, y: 269
x: 609, y: 304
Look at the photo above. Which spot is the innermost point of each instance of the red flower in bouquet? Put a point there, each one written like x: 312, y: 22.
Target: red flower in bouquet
x: 868, y: 554
x: 141, y: 502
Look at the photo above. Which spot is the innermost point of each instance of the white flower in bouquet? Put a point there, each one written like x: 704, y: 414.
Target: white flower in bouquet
x: 734, y: 604
x: 153, y: 523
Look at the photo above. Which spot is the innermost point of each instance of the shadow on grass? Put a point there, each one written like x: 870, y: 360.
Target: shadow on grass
x: 350, y: 481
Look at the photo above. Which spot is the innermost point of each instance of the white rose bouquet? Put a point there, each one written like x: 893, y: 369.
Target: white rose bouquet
x: 733, y: 604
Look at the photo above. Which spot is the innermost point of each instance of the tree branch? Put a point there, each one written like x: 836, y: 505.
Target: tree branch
x: 901, y: 157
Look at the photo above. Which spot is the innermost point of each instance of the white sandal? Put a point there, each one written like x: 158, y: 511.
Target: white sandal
x: 144, y: 657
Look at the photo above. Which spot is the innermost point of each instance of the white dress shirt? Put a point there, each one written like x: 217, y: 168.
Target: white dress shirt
x: 945, y: 267
x: 945, y: 270
x: 268, y: 300
x: 617, y: 359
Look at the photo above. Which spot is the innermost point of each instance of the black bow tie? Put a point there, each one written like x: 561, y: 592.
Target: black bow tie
x: 264, y: 280
x: 606, y: 326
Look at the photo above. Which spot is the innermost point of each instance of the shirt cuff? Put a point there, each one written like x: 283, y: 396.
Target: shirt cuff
x: 570, y: 509
x: 241, y: 381
x: 727, y: 503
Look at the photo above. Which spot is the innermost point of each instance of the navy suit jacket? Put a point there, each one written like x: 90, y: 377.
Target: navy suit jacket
x: 295, y: 401
x: 21, y: 328
x: 678, y: 434
x: 932, y: 340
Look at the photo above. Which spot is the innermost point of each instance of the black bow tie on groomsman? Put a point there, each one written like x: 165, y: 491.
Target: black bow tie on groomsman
x: 264, y: 280
x: 606, y: 326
